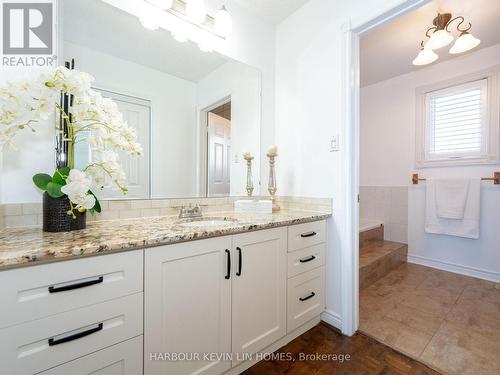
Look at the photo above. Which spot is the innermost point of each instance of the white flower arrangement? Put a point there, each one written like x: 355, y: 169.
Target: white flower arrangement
x: 26, y: 105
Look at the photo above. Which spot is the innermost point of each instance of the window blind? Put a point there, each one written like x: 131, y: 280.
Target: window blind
x: 456, y: 119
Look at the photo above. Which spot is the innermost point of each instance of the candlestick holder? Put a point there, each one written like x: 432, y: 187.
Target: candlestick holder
x: 250, y: 188
x: 272, y: 188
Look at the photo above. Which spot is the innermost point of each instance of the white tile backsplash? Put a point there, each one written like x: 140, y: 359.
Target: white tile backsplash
x: 388, y: 204
x: 29, y: 214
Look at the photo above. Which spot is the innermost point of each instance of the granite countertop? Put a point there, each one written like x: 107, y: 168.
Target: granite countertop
x: 30, y: 246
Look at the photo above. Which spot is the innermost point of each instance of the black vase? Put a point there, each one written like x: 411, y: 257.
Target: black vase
x: 56, y: 218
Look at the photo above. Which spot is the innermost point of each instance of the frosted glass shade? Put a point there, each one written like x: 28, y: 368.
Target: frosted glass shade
x: 464, y: 43
x: 196, y: 11
x: 425, y: 56
x: 439, y: 39
x: 223, y: 23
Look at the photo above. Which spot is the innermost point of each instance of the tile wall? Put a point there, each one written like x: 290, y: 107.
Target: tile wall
x: 389, y: 205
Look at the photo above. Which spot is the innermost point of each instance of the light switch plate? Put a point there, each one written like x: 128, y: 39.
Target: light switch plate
x: 334, y: 143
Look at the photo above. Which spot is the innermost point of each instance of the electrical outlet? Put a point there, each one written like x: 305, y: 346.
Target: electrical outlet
x: 334, y: 143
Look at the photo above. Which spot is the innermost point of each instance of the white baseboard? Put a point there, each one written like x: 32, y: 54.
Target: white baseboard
x: 332, y: 318
x: 456, y: 268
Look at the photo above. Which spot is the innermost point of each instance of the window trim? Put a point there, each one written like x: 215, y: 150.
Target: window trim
x: 490, y: 143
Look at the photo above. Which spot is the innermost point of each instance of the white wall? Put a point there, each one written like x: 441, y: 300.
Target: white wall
x: 388, y: 159
x: 173, y: 107
x: 309, y: 94
x: 243, y: 84
x: 252, y: 42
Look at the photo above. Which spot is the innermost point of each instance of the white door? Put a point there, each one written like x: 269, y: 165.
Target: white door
x: 187, y: 291
x: 137, y: 113
x: 258, y: 290
x: 219, y: 154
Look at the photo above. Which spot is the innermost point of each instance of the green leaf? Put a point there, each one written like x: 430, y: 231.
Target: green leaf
x: 41, y: 180
x: 54, y: 190
x: 97, y: 207
x: 59, y: 175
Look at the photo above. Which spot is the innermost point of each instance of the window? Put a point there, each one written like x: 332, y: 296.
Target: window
x: 456, y: 125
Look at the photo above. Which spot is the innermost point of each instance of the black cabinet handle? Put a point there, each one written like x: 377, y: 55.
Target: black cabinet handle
x: 76, y: 336
x: 308, y: 297
x: 310, y: 234
x: 228, y: 274
x: 83, y: 284
x: 312, y: 257
x: 239, y: 261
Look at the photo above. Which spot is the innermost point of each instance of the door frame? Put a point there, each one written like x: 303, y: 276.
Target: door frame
x: 202, y: 170
x: 352, y: 31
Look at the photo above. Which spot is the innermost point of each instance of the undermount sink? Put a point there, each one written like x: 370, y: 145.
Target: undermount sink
x: 208, y: 222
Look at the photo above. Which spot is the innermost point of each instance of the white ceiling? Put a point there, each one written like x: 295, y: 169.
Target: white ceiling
x: 99, y: 26
x: 273, y: 11
x: 388, y: 51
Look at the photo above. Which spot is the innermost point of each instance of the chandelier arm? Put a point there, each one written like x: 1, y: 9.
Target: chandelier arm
x: 429, y: 29
x: 462, y: 20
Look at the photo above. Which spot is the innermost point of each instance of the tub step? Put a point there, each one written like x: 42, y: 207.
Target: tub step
x: 370, y: 235
x: 378, y: 258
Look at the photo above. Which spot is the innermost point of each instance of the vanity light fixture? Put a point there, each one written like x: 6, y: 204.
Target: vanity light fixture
x: 223, y: 22
x: 440, y: 36
x: 196, y: 11
x: 162, y: 4
x: 186, y: 20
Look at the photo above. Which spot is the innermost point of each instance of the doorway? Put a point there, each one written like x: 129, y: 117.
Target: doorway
x: 218, y: 168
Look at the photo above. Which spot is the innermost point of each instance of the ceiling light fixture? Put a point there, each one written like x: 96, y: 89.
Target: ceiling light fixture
x: 223, y: 22
x: 441, y: 36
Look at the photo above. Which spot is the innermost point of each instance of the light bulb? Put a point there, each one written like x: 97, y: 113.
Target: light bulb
x: 163, y: 4
x: 425, y: 56
x: 464, y: 43
x: 223, y: 23
x: 439, y: 39
x: 196, y: 11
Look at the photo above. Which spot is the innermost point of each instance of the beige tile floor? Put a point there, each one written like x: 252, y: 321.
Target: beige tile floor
x: 448, y: 321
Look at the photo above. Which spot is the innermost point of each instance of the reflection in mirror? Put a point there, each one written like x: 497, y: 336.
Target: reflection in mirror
x: 195, y: 113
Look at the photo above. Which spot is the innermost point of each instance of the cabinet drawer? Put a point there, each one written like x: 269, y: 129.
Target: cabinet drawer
x: 306, y: 259
x: 35, y: 292
x: 306, y: 297
x: 45, y: 343
x: 305, y: 235
x: 121, y: 359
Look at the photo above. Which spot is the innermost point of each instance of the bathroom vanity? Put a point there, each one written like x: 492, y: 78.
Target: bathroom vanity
x: 131, y: 294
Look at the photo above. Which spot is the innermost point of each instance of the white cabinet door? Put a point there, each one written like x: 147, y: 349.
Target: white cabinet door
x: 121, y: 359
x: 259, y: 290
x: 187, y: 306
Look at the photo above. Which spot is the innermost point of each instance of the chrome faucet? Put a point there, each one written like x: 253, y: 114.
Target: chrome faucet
x: 190, y: 212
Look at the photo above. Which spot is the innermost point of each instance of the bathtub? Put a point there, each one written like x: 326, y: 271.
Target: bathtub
x: 367, y: 224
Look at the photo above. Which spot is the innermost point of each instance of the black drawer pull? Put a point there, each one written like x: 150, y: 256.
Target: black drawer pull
x: 228, y: 274
x: 76, y: 336
x: 83, y: 284
x: 312, y: 257
x: 238, y: 273
x: 310, y: 234
x: 308, y: 297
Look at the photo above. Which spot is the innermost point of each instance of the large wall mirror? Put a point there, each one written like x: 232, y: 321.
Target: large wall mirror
x: 195, y: 112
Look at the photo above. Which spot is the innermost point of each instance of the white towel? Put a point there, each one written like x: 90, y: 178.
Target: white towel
x: 451, y: 197
x: 468, y: 226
